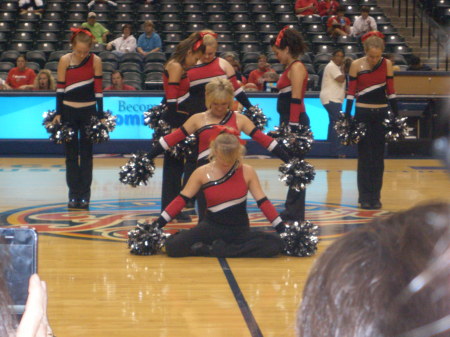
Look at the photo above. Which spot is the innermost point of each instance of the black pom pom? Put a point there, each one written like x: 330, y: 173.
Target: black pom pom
x: 98, y: 132
x: 153, y: 116
x: 396, y: 128
x: 137, y: 170
x: 297, y: 173
x: 146, y: 239
x: 59, y: 132
x: 349, y: 131
x: 257, y: 116
x: 300, y: 238
x: 297, y: 141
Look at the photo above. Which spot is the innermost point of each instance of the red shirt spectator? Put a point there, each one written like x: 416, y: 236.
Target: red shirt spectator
x: 338, y: 24
x: 20, y: 75
x: 328, y: 7
x: 125, y: 87
x: 256, y: 76
x: 306, y: 7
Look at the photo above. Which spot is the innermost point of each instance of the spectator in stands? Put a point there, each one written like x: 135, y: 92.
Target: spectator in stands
x: 388, y: 278
x: 338, y: 24
x: 270, y: 81
x: 124, y: 44
x: 256, y: 76
x: 229, y: 56
x: 332, y: 96
x: 306, y: 7
x: 149, y: 41
x: 391, y: 57
x: 21, y: 76
x: 97, y: 29
x: 43, y: 81
x: 117, y: 82
x: 35, y: 6
x: 363, y: 23
x: 239, y: 76
x: 93, y: 2
x: 328, y: 7
x: 2, y: 84
x: 415, y: 64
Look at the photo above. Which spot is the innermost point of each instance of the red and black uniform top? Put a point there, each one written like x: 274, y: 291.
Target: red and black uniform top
x: 286, y: 105
x: 176, y: 98
x: 226, y: 200
x: 200, y: 75
x: 372, y: 87
x: 81, y: 85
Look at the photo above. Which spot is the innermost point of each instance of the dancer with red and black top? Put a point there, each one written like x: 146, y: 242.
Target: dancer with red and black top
x: 176, y: 90
x: 79, y: 96
x: 208, y: 124
x: 225, y: 230
x: 372, y: 84
x: 288, y: 46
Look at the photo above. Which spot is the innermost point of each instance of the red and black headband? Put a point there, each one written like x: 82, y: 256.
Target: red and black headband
x: 372, y: 33
x: 76, y: 31
x: 280, y: 36
x: 225, y: 129
x: 198, y: 44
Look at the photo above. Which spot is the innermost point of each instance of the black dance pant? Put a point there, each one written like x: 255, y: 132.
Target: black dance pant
x: 171, y: 180
x: 79, y: 152
x: 371, y: 154
x: 333, y: 109
x: 294, y: 207
x: 225, y: 241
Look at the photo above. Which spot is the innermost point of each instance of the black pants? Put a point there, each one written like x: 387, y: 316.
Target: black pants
x: 333, y: 109
x: 79, y: 152
x: 225, y: 241
x: 171, y: 180
x: 371, y: 154
x: 294, y: 207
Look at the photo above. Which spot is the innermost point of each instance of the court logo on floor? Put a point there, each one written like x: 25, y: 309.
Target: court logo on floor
x: 111, y: 219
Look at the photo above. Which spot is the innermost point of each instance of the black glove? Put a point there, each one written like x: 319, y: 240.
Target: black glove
x: 159, y: 223
x: 281, y: 227
x: 304, y: 119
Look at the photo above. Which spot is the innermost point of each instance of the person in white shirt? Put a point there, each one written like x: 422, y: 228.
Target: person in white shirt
x: 363, y: 23
x: 332, y: 95
x: 124, y: 44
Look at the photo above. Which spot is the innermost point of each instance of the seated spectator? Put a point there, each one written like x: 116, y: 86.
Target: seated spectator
x: 415, y: 64
x: 2, y: 84
x: 338, y: 24
x: 229, y: 56
x: 35, y: 6
x: 149, y: 41
x: 249, y: 87
x: 306, y: 7
x: 93, y: 2
x: 391, y: 57
x: 363, y: 23
x: 117, y: 82
x: 124, y: 44
x: 270, y: 81
x: 237, y: 69
x: 97, y: 29
x: 21, y: 76
x: 328, y: 7
x: 388, y: 278
x: 256, y: 76
x: 43, y: 81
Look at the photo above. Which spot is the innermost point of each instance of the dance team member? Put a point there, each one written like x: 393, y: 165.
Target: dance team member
x: 176, y: 90
x: 205, y: 125
x: 372, y: 83
x: 288, y: 46
x: 79, y: 96
x: 225, y: 230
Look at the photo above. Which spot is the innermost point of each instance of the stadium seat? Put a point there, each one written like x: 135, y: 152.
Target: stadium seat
x: 172, y: 38
x: 215, y: 9
x: 260, y: 8
x: 56, y: 55
x: 221, y: 28
x: 142, y: 17
x: 382, y: 20
x: 131, y: 57
x: 37, y: 56
x: 346, y: 40
x: 169, y: 49
x: 155, y: 57
x: 224, y: 47
x: 394, y: 40
x: 400, y: 60
x: 5, y: 27
x: 29, y: 17
x: 152, y: 67
x: 76, y: 17
x: 352, y: 10
x: 35, y: 66
x: 108, y: 56
x: 169, y: 8
x: 25, y: 27
x: 194, y: 27
x: 52, y: 66
x: 315, y: 29
x: 77, y: 7
x: 250, y: 57
x: 284, y: 9
x: 313, y: 82
x: 310, y: 20
x: 352, y: 49
x: 172, y: 27
x: 4, y: 36
x: 237, y: 8
x: 375, y: 10
x: 124, y: 8
x: 97, y: 48
x: 7, y: 16
x: 53, y: 16
x: 192, y: 8
x: 194, y: 17
x: 154, y: 77
x: 305, y: 58
x: 47, y: 37
x: 217, y: 18
x: 21, y: 47
x: 249, y: 67
x: 387, y: 29
x: 170, y: 17
x: 50, y: 27
x: 23, y: 37
x: 268, y: 28
x: 247, y: 38
x: 6, y: 66
x: 225, y: 37
x: 109, y: 66
x: 241, y: 18
x: 147, y: 8
x: 46, y: 47
x: 266, y: 38
x: 249, y: 47
x: 321, y: 58
x: 125, y: 17
x: 126, y: 67
x: 323, y: 48
x: 132, y: 76
x: 9, y: 6
x: 287, y: 18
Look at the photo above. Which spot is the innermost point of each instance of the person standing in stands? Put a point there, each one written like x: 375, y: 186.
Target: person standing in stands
x: 306, y: 7
x: 176, y: 90
x: 363, y: 23
x: 99, y: 32
x: 257, y: 76
x: 372, y: 84
x: 20, y: 77
x: 332, y: 94
x: 288, y: 45
x: 149, y: 41
x: 117, y: 82
x: 79, y: 96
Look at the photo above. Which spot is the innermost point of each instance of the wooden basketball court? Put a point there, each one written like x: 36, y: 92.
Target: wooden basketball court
x: 97, y: 288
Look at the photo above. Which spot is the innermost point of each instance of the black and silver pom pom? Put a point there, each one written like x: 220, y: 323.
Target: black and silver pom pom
x: 98, y: 132
x: 146, y: 239
x: 297, y: 173
x: 297, y: 141
x: 300, y: 238
x: 257, y: 116
x: 396, y: 128
x: 59, y: 132
x: 349, y: 131
x: 137, y: 170
x: 153, y: 115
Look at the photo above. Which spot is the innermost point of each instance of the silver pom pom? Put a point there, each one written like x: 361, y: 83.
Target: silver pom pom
x: 297, y: 141
x: 300, y: 238
x: 137, y: 170
x: 153, y: 116
x: 146, y: 239
x: 257, y: 116
x: 297, y: 173
x: 59, y: 132
x: 396, y: 128
x: 98, y: 131
x: 349, y: 131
